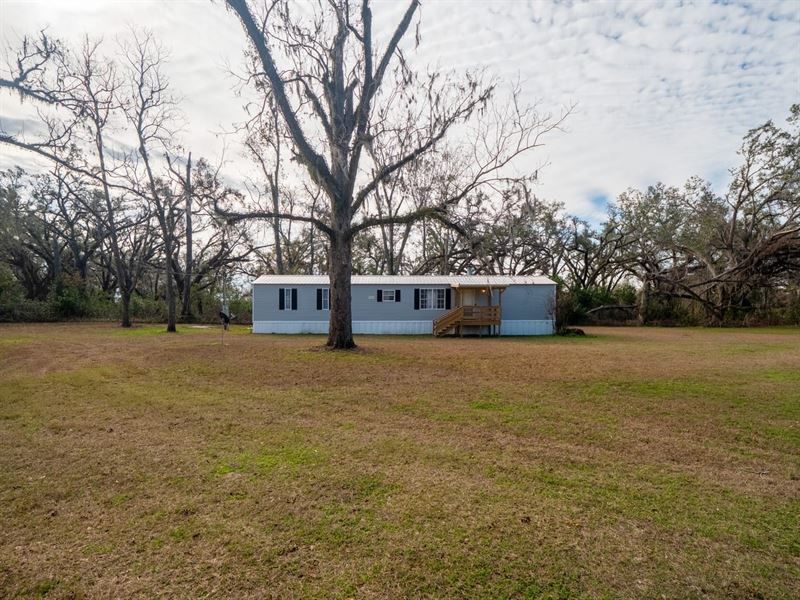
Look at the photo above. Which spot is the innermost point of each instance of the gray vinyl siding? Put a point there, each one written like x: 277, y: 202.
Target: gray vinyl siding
x: 519, y: 302
x: 365, y: 305
x: 528, y: 302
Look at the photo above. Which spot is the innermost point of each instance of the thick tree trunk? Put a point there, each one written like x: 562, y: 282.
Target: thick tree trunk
x: 121, y: 271
x: 126, y: 308
x: 82, y: 266
x: 170, y: 283
x: 186, y: 304
x: 164, y: 214
x: 340, y: 267
x: 391, y: 251
x: 186, y: 301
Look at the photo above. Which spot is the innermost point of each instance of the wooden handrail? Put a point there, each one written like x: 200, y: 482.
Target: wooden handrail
x: 481, y: 313
x: 467, y: 315
x: 453, y: 315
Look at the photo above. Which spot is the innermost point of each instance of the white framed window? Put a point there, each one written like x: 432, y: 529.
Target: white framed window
x: 325, y: 299
x: 288, y: 299
x: 431, y: 299
x: 386, y: 295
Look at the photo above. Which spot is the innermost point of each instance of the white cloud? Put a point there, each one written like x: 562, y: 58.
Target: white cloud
x: 666, y: 90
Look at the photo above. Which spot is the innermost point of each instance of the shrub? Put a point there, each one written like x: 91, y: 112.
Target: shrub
x: 33, y: 311
x: 573, y: 306
x: 11, y: 294
x: 148, y: 309
x: 242, y: 308
x: 69, y: 298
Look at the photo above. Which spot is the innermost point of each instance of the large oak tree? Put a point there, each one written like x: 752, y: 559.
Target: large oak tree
x: 357, y: 115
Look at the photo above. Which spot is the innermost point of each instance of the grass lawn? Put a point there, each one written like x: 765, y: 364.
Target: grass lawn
x: 634, y: 463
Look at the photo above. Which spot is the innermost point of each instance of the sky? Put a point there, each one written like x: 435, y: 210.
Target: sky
x: 664, y: 90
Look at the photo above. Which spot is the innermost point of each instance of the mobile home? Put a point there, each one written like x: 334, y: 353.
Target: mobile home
x: 400, y: 304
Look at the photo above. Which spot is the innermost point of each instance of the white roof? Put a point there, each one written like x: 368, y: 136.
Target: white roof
x: 452, y: 280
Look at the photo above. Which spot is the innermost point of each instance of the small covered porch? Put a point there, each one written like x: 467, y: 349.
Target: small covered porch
x: 477, y: 310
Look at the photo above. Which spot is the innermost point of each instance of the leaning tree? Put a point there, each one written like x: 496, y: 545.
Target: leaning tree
x: 356, y: 116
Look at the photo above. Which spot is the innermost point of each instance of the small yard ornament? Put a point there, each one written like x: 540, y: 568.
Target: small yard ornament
x: 225, y: 317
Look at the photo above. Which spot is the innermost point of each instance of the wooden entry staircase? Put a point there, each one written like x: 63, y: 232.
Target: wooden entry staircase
x: 466, y: 316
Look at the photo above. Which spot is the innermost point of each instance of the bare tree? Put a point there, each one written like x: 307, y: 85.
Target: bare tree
x: 212, y: 246
x: 515, y: 233
x: 151, y: 112
x: 265, y: 143
x: 338, y: 97
x: 182, y: 278
x: 89, y: 96
x: 93, y: 86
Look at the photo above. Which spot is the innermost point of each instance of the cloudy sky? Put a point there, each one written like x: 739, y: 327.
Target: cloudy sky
x: 665, y: 90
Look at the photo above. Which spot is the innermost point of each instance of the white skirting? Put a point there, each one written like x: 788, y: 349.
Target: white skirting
x: 359, y: 327
x: 393, y: 327
x: 290, y: 327
x: 544, y: 327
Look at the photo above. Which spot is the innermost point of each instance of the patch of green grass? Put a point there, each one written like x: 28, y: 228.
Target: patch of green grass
x: 753, y: 349
x: 14, y: 340
x: 652, y: 389
x: 352, y: 514
x: 676, y: 502
x: 142, y: 331
x: 563, y: 587
x: 120, y: 499
x: 179, y: 534
x: 787, y: 375
x: 353, y: 357
x: 789, y: 434
x: 285, y: 458
x: 97, y: 549
x: 372, y: 488
x: 45, y: 587
x: 490, y: 400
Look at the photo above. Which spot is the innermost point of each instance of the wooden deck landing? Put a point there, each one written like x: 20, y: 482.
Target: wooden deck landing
x: 466, y: 316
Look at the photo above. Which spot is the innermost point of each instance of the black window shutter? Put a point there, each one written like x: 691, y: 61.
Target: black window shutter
x: 447, y: 298
x: 294, y: 298
x: 397, y: 295
x: 281, y: 305
x: 416, y: 298
x: 380, y: 295
x: 319, y: 298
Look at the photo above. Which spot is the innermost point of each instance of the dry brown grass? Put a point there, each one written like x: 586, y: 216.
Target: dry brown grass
x: 633, y: 463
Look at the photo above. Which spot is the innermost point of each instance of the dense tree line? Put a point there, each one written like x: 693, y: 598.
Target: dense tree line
x: 363, y: 166
x: 57, y: 261
x: 664, y: 254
